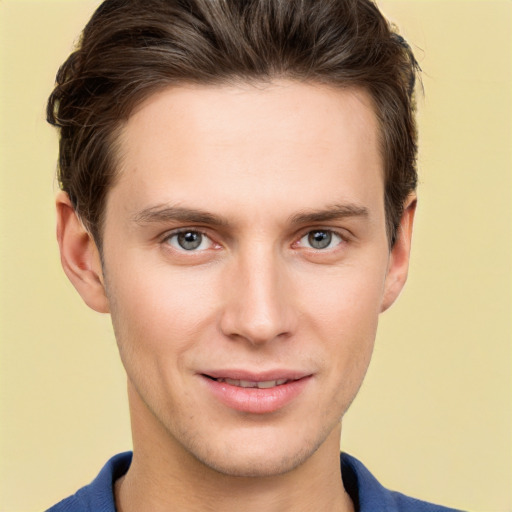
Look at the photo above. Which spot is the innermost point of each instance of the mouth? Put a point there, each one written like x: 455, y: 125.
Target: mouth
x: 262, y: 384
x: 256, y: 393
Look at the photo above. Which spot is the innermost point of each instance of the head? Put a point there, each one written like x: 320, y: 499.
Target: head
x: 130, y: 50
x: 240, y: 179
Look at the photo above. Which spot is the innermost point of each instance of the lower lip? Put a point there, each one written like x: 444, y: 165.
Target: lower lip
x: 256, y: 400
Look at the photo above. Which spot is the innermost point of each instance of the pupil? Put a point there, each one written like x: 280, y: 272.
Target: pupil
x: 190, y: 240
x: 319, y: 239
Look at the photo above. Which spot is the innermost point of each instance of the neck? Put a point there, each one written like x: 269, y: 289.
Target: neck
x: 163, y: 476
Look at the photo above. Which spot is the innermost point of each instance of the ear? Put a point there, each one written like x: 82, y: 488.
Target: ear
x: 398, y: 265
x: 79, y: 256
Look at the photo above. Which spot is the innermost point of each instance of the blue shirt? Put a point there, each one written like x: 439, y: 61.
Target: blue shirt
x: 366, y: 492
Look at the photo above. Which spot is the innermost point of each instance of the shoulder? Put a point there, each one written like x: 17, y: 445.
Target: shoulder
x: 98, y: 496
x: 369, y: 495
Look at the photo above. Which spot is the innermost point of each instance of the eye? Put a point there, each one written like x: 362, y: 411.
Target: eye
x: 320, y: 239
x: 189, y: 240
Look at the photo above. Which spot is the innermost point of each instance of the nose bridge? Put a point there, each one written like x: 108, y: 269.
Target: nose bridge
x: 259, y: 309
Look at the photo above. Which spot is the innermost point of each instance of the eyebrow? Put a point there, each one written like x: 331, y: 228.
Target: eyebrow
x: 334, y: 212
x: 165, y: 213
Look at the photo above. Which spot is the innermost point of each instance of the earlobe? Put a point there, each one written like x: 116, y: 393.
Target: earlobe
x: 399, y: 256
x: 79, y: 256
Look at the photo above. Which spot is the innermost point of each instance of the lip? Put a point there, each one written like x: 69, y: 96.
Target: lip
x: 256, y: 400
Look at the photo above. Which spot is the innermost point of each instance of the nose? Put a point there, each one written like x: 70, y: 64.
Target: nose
x: 259, y: 307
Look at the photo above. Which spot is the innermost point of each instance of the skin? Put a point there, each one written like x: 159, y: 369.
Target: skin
x: 253, y: 170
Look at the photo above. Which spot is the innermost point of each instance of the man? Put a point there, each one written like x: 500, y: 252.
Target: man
x: 238, y: 192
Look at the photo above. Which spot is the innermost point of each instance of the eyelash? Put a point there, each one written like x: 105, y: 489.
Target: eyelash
x: 331, y: 235
x: 175, y: 234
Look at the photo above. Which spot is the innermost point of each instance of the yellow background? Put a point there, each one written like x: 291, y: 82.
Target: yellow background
x: 433, y: 418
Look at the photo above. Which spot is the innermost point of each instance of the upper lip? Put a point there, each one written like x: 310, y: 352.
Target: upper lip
x: 260, y: 376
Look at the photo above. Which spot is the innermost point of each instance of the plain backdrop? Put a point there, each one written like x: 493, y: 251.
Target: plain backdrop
x: 433, y: 418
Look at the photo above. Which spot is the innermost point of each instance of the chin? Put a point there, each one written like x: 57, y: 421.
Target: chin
x: 253, y: 458
x: 253, y: 466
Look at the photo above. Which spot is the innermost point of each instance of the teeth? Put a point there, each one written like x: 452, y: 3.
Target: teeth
x: 267, y: 384
x: 253, y: 384
x: 247, y: 384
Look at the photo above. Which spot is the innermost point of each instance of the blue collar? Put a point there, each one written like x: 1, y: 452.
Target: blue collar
x: 366, y: 492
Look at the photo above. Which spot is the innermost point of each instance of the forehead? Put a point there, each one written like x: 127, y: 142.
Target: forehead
x: 238, y: 145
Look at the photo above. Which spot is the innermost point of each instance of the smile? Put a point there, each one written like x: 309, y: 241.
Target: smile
x: 266, y: 384
x: 256, y: 394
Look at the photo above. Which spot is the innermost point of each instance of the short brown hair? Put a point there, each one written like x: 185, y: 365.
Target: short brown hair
x: 132, y: 48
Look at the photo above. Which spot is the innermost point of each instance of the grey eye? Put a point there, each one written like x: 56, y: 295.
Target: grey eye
x: 319, y: 239
x: 189, y: 241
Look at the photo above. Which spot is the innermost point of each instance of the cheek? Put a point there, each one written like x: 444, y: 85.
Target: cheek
x: 159, y: 312
x: 347, y: 299
x: 343, y: 314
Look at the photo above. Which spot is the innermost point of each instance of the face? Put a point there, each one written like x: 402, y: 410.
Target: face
x: 245, y: 264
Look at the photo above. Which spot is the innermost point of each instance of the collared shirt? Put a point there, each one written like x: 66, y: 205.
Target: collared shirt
x: 366, y: 492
